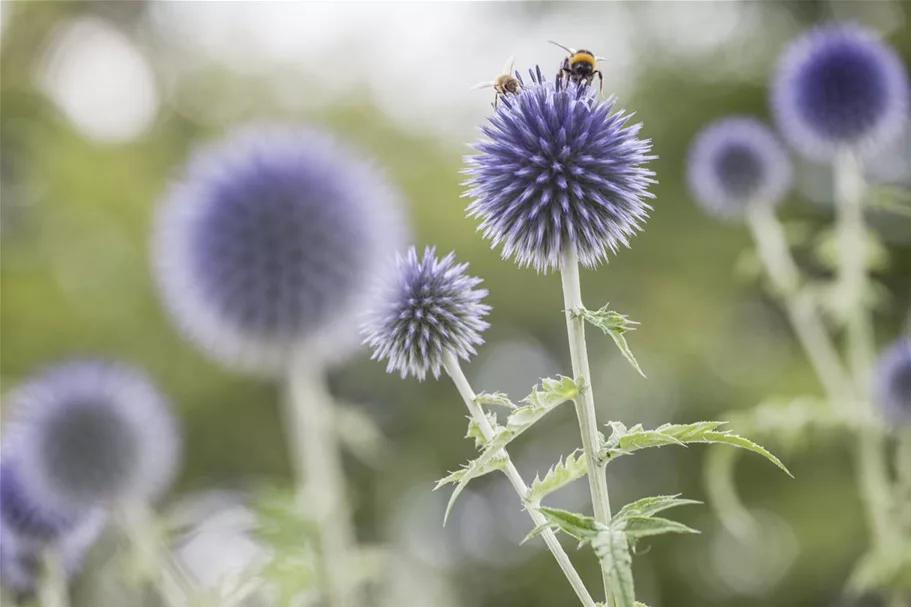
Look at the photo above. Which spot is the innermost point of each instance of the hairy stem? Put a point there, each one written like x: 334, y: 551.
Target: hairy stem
x: 803, y: 313
x: 318, y: 464
x: 585, y: 402
x: 854, y: 284
x: 53, y: 591
x: 451, y: 364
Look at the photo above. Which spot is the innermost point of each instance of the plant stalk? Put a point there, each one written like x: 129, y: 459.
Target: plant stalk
x: 803, y: 313
x: 451, y: 364
x: 53, y: 591
x: 872, y: 466
x: 318, y: 465
x: 585, y: 402
x: 903, y: 469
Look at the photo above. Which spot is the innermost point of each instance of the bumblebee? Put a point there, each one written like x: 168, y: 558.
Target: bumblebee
x: 580, y: 67
x: 503, y: 84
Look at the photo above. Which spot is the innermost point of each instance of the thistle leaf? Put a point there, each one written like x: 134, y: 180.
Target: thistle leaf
x: 612, y: 548
x: 540, y: 402
x: 474, y: 430
x: 498, y: 399
x: 564, y: 472
x: 624, y: 442
x: 486, y: 463
x: 583, y: 528
x: 637, y: 527
x: 615, y: 325
x: 648, y: 506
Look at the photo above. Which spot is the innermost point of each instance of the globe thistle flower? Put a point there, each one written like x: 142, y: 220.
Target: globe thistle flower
x: 271, y: 242
x: 87, y: 433
x: 558, y: 170
x: 26, y: 516
x: 429, y: 308
x: 735, y: 162
x: 893, y: 381
x: 21, y: 555
x: 839, y: 86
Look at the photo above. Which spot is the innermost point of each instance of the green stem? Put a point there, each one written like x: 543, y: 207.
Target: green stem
x: 585, y: 402
x: 156, y: 562
x: 318, y: 464
x: 451, y: 364
x: 854, y: 284
x: 802, y: 311
x: 53, y: 591
x: 903, y: 468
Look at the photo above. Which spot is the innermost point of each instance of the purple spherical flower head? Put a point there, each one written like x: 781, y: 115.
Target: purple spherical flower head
x: 558, y: 170
x: 430, y: 307
x: 26, y: 516
x: 839, y: 86
x: 893, y: 381
x: 21, y: 555
x: 735, y: 162
x: 86, y: 433
x: 271, y: 243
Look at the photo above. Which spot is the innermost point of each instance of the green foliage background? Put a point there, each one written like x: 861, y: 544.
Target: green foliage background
x: 75, y: 280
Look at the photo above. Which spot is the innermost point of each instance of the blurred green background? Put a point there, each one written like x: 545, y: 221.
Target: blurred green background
x: 102, y: 101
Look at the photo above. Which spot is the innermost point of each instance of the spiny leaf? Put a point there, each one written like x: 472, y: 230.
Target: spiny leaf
x: 560, y: 475
x: 648, y: 506
x: 554, y: 392
x: 612, y: 548
x: 624, y: 442
x: 496, y: 398
x: 615, y: 325
x: 486, y: 463
x: 474, y: 430
x: 637, y: 527
x: 581, y: 527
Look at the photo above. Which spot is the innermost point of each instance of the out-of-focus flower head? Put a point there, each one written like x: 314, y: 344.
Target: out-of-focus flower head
x: 735, y: 162
x: 839, y: 86
x: 559, y: 170
x: 893, y: 381
x: 88, y: 433
x: 271, y: 242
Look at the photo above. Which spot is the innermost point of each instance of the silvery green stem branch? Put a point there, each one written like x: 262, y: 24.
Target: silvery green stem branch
x: 903, y: 469
x: 853, y: 285
x: 318, y: 465
x: 585, y: 402
x: 137, y: 524
x: 451, y: 364
x: 53, y: 591
x: 803, y: 313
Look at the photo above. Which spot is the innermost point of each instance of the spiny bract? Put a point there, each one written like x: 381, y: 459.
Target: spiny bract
x: 558, y: 169
x: 430, y: 307
x: 735, y: 162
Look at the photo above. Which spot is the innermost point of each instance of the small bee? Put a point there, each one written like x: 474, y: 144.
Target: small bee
x: 502, y: 84
x: 580, y: 66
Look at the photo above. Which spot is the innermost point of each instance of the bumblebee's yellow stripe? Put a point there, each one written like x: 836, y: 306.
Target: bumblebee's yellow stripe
x: 582, y: 57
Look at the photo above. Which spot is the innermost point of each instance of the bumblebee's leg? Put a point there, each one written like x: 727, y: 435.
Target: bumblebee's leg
x: 600, y: 81
x: 559, y: 79
x: 496, y: 98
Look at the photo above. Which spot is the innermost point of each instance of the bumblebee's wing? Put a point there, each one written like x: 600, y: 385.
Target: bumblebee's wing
x: 509, y: 65
x: 601, y: 58
x: 483, y: 85
x: 569, y: 50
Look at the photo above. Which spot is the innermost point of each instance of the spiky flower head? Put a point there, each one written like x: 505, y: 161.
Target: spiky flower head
x: 893, y: 381
x: 735, y: 162
x: 430, y: 307
x: 271, y: 243
x: 87, y: 432
x: 24, y: 515
x: 839, y: 86
x: 558, y: 170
